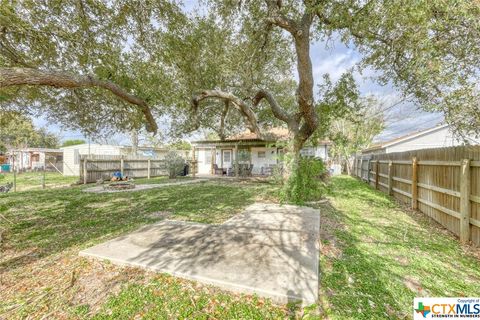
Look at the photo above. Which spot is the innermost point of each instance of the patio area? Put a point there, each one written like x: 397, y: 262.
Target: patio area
x: 269, y: 250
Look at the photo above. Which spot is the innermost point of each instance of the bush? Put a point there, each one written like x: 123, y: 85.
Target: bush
x: 304, y: 183
x: 175, y: 164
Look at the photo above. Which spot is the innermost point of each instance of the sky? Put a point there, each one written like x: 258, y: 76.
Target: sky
x: 334, y: 60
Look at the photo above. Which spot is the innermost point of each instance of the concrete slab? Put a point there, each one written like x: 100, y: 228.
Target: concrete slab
x: 270, y: 250
x: 140, y: 187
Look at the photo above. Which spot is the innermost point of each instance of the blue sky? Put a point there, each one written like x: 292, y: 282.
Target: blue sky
x: 334, y: 60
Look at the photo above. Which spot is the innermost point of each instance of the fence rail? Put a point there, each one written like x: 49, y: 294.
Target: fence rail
x: 442, y: 183
x: 94, y: 168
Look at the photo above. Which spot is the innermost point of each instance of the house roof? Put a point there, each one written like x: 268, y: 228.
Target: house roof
x: 270, y: 135
x: 273, y: 134
x: 49, y: 150
x: 411, y: 135
x: 76, y: 146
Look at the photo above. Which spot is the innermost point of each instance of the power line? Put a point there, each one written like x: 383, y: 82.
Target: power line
x: 411, y: 127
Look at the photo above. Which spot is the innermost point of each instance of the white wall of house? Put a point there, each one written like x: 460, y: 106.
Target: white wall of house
x: 440, y: 138
x: 71, y: 155
x: 263, y: 158
x: 320, y: 151
x: 204, y: 160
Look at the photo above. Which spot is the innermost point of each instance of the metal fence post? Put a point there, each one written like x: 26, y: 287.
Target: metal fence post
x: 465, y: 200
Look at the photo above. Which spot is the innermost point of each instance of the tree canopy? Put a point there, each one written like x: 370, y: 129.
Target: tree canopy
x: 240, y: 63
x: 18, y: 131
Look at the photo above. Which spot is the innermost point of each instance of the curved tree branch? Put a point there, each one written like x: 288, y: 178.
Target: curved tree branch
x: 223, y: 118
x: 278, y: 111
x: 236, y: 102
x: 35, y: 77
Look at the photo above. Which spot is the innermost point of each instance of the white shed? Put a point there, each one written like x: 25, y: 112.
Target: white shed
x: 71, y: 155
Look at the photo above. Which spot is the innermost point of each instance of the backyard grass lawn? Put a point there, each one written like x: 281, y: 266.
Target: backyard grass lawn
x: 33, y: 180
x: 375, y: 256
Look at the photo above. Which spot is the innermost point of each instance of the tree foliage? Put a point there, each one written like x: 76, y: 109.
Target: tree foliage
x: 18, y: 131
x: 238, y: 60
x: 73, y: 142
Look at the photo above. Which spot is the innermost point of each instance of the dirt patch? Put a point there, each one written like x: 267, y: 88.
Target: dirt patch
x: 415, y: 286
x: 93, y: 284
x: 403, y: 261
x: 160, y: 214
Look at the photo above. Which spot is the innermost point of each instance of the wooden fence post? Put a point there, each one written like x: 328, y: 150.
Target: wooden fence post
x: 85, y: 171
x: 465, y: 200
x: 414, y: 183
x: 368, y: 171
x: 361, y: 168
x: 121, y: 165
x: 148, y: 168
x: 376, y: 174
x: 390, y: 177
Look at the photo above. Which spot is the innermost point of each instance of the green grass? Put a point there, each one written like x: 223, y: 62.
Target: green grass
x: 377, y: 257
x: 33, y: 180
x: 43, y: 230
x: 166, y: 297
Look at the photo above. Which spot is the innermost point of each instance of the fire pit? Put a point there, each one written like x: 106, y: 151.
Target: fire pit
x: 121, y: 185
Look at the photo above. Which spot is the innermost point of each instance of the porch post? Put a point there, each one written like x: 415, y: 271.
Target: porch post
x: 236, y: 160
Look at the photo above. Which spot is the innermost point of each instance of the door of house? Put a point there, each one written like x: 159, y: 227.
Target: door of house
x: 226, y: 158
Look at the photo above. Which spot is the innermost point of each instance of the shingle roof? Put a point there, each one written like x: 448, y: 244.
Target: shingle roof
x: 273, y: 134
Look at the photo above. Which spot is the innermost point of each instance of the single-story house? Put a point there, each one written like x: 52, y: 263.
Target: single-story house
x: 437, y: 137
x: 255, y: 155
x: 71, y: 154
x: 27, y: 159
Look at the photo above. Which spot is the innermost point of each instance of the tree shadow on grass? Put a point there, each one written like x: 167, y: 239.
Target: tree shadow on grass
x: 376, y: 257
x: 43, y: 223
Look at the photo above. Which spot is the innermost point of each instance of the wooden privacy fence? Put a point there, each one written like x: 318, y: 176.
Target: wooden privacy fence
x: 94, y: 167
x: 443, y: 183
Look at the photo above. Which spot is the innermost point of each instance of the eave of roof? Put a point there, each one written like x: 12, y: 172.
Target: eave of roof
x: 403, y: 138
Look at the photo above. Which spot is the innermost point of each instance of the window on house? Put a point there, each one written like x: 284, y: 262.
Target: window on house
x: 261, y: 154
x: 307, y: 152
x: 226, y: 156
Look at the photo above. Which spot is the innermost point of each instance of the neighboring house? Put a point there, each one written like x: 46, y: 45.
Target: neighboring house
x: 261, y: 155
x: 436, y: 137
x: 71, y: 154
x: 28, y: 159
